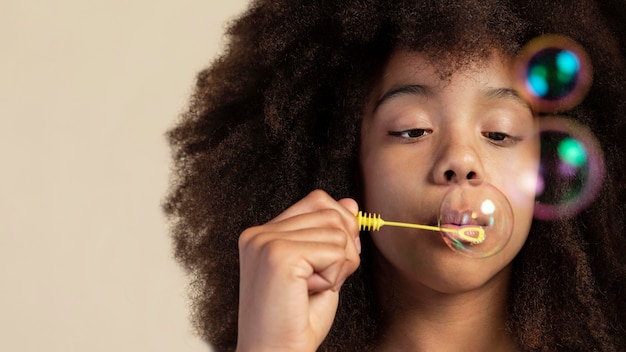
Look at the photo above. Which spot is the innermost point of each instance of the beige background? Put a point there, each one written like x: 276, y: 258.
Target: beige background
x: 87, y: 90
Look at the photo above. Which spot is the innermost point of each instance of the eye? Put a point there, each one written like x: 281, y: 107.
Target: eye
x: 496, y: 136
x: 412, y: 133
x: 501, y: 138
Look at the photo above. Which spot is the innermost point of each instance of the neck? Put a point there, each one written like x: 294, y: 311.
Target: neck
x: 417, y: 318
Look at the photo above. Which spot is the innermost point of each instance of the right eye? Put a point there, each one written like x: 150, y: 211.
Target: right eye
x: 411, y: 134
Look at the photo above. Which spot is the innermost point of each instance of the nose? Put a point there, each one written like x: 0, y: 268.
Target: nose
x: 458, y: 162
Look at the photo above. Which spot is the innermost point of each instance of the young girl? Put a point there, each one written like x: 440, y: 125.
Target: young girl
x: 317, y: 111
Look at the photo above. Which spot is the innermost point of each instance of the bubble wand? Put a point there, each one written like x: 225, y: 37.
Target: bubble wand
x: 373, y: 222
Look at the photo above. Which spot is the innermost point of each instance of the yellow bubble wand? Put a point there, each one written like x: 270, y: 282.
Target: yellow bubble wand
x: 373, y: 222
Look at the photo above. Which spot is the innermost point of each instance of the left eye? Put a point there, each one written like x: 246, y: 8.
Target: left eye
x: 501, y: 138
x: 496, y: 136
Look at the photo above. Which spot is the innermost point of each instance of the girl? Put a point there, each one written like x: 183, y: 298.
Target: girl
x: 317, y: 111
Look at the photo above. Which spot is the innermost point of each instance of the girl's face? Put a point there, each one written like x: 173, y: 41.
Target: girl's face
x: 422, y: 135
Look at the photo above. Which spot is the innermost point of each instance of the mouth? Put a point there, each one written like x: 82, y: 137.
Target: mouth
x: 475, y: 219
x: 467, y: 235
x: 463, y: 228
x: 461, y: 219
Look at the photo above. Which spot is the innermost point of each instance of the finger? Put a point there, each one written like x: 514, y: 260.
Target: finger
x: 295, y: 261
x: 330, y: 269
x: 327, y: 217
x: 319, y: 200
x: 352, y: 206
x: 288, y: 249
x: 318, y: 227
x: 350, y: 263
x: 316, y: 201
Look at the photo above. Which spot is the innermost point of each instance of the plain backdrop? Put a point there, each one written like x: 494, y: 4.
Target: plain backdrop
x: 87, y: 90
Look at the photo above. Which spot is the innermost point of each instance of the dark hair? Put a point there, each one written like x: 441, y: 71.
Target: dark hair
x: 278, y: 115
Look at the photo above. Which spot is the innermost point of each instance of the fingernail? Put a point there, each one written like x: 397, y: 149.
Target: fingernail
x: 357, y: 243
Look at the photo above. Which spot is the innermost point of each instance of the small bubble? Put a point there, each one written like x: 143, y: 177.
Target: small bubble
x: 571, y: 170
x: 553, y: 73
x: 572, y: 152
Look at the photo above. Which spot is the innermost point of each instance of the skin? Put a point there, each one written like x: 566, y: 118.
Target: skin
x: 292, y: 268
x: 291, y: 271
x: 418, y: 143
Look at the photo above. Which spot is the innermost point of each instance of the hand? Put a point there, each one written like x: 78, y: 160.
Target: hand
x: 291, y: 271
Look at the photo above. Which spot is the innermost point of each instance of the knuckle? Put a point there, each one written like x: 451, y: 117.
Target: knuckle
x: 319, y: 195
x: 246, y: 236
x: 333, y: 218
x: 251, y: 239
x: 338, y: 237
x: 274, y: 252
x: 354, y: 263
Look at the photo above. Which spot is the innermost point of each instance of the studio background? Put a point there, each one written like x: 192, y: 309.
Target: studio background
x: 87, y: 91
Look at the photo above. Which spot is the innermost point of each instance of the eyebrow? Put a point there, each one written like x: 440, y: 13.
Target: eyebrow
x: 424, y: 91
x: 507, y: 93
x: 410, y: 89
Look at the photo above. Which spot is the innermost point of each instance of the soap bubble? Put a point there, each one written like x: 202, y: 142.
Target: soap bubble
x: 553, y: 73
x: 476, y: 220
x: 571, y: 171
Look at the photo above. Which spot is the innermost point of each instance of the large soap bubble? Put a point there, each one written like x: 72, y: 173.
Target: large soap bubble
x: 476, y: 220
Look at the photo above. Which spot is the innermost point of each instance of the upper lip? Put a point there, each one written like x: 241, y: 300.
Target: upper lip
x: 457, y: 218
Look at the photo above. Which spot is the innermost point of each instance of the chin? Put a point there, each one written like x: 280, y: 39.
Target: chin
x: 428, y: 264
x: 460, y: 285
x: 453, y: 273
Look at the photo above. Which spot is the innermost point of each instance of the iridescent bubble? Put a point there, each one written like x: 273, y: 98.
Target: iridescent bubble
x: 476, y: 220
x: 572, y: 152
x: 571, y: 171
x: 553, y: 73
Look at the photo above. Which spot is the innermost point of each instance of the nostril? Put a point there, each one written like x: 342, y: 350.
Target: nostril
x: 449, y: 175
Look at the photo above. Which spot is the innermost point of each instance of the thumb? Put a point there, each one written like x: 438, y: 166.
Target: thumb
x: 350, y: 204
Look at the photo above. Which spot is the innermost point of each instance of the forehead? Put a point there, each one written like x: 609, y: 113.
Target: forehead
x: 407, y: 66
x: 413, y: 73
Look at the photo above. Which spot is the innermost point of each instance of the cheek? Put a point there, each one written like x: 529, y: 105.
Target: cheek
x: 521, y: 229
x: 369, y: 170
x: 377, y: 171
x: 519, y: 185
x: 389, y: 179
x: 518, y: 179
x: 377, y: 177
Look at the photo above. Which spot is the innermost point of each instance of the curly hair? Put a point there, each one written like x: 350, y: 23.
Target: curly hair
x: 278, y: 114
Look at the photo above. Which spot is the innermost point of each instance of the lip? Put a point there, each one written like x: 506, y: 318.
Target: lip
x: 456, y: 219
x: 450, y: 217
